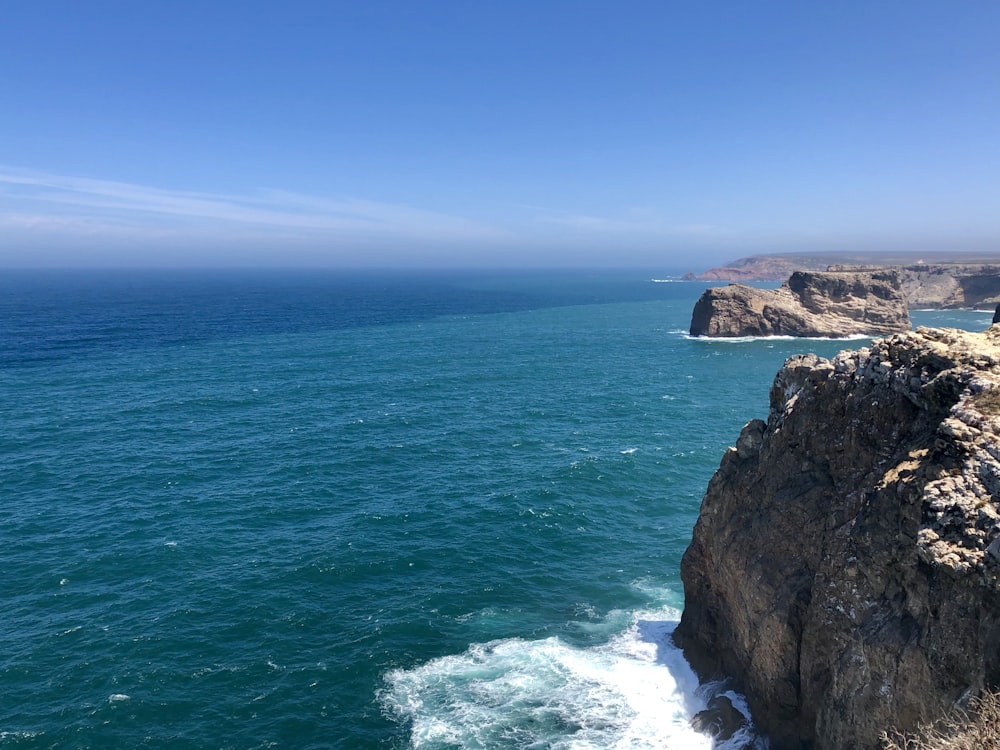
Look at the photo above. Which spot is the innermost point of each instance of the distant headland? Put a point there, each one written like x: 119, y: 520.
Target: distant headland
x: 928, y: 281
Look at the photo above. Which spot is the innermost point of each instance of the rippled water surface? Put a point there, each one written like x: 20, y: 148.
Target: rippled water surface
x: 355, y: 510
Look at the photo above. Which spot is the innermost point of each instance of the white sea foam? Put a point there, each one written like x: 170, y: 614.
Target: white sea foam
x: 635, y: 691
x: 118, y: 698
x: 954, y: 310
x: 745, y: 339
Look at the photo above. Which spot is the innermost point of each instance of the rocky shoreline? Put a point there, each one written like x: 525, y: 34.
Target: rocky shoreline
x: 845, y: 567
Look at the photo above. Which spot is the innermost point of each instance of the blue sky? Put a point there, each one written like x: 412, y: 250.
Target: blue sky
x: 673, y: 134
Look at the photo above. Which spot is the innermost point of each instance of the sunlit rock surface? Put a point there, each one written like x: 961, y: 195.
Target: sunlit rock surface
x: 845, y: 564
x: 808, y: 304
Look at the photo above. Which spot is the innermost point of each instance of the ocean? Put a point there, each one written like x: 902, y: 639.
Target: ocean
x: 253, y: 509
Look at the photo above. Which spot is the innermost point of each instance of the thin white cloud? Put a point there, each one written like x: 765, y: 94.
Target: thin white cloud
x: 52, y: 218
x: 66, y: 202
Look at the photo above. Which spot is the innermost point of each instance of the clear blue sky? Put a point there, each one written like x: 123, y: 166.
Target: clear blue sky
x: 675, y: 134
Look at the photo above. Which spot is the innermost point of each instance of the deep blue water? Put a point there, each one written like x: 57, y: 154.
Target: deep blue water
x: 365, y: 510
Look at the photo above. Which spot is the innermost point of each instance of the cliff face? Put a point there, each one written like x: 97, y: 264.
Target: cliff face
x: 952, y: 286
x: 808, y: 304
x: 944, y: 280
x: 845, y: 566
x: 946, y: 285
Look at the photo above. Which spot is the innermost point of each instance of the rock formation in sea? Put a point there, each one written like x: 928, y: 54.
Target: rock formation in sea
x: 808, y: 304
x: 944, y: 280
x: 845, y: 567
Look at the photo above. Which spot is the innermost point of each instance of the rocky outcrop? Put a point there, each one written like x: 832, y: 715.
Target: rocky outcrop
x: 946, y: 285
x: 957, y: 286
x: 845, y: 566
x: 808, y: 304
x: 935, y: 280
x: 720, y: 719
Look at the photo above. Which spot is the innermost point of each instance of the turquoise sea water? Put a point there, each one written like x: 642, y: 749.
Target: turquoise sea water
x: 366, y: 510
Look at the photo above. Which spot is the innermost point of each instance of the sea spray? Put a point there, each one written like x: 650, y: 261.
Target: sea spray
x: 633, y: 691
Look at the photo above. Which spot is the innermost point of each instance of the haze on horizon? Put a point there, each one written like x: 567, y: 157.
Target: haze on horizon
x: 472, y: 134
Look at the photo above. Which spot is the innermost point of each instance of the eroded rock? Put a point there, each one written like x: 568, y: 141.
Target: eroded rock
x: 844, y: 569
x: 808, y: 304
x: 720, y: 720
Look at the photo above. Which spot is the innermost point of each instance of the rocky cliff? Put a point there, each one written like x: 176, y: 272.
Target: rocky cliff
x: 945, y: 285
x: 944, y: 280
x: 808, y: 304
x: 845, y: 566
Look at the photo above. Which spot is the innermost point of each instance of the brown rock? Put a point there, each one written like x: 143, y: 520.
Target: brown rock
x: 939, y: 280
x: 844, y: 567
x: 720, y: 720
x: 944, y: 285
x: 808, y: 304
